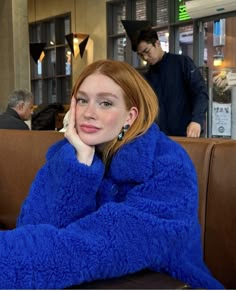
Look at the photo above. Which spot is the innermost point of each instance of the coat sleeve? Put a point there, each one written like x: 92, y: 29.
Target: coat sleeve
x: 144, y: 231
x: 198, y: 91
x: 61, y: 192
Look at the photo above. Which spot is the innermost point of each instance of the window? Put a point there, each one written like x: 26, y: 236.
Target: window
x: 161, y: 8
x: 141, y: 10
x: 117, y: 39
x: 185, y: 34
x: 51, y: 79
x: 119, y: 48
x: 175, y: 32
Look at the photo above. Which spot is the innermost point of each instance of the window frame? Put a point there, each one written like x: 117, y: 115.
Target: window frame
x: 51, y: 81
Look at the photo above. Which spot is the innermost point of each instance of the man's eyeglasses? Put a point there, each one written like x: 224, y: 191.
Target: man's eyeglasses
x: 145, y: 52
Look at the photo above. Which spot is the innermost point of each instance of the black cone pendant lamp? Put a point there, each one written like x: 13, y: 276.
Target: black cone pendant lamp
x: 133, y: 26
x: 37, y: 51
x: 37, y: 48
x: 77, y: 41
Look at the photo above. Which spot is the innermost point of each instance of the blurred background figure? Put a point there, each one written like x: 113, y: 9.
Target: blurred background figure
x: 44, y: 116
x: 19, y: 110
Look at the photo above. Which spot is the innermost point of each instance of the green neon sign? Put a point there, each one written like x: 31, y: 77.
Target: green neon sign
x: 183, y: 15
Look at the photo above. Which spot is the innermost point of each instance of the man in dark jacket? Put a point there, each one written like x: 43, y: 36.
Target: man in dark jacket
x: 19, y: 109
x: 179, y: 85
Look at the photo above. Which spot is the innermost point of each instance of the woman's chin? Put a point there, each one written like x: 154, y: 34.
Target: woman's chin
x: 88, y: 142
x: 92, y: 140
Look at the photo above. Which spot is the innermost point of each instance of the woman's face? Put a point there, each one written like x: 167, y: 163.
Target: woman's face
x: 100, y: 110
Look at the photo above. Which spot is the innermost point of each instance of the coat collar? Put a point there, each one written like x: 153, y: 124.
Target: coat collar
x: 134, y: 162
x: 160, y: 63
x: 12, y: 112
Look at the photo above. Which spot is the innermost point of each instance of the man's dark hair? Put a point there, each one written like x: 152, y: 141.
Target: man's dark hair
x: 148, y: 35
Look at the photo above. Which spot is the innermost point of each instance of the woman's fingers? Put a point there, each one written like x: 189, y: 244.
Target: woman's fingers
x: 72, y: 112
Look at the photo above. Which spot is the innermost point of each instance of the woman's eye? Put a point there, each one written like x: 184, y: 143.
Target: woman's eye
x: 81, y: 100
x: 106, y: 104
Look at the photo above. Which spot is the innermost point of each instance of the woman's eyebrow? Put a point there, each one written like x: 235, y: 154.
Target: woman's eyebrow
x: 100, y: 94
x: 81, y: 92
x: 107, y: 94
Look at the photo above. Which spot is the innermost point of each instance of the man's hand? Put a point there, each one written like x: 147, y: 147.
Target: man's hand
x: 85, y: 153
x: 193, y: 129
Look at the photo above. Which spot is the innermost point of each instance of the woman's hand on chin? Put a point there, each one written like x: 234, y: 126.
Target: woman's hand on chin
x: 85, y: 153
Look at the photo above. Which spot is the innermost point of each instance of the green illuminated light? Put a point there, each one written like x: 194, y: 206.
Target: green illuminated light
x: 183, y: 15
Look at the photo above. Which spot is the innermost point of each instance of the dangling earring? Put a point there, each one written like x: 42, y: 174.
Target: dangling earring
x: 123, y: 131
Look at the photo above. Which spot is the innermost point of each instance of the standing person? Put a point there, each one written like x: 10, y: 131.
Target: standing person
x: 19, y: 109
x: 178, y: 83
x: 114, y: 197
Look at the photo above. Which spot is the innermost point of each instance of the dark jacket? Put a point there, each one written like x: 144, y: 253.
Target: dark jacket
x: 80, y: 224
x: 11, y: 120
x: 44, y: 117
x: 181, y: 92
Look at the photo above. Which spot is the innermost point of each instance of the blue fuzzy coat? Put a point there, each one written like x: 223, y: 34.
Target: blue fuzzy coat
x: 80, y: 224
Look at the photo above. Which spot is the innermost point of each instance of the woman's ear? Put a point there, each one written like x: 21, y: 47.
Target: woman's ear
x: 133, y: 114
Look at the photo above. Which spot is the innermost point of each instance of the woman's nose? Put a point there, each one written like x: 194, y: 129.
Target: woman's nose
x: 90, y: 111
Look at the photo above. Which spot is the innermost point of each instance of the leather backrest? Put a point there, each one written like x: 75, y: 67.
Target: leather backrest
x: 22, y: 153
x: 220, y: 237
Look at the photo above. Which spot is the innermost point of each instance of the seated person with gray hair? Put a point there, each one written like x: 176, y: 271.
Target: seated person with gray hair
x: 19, y: 109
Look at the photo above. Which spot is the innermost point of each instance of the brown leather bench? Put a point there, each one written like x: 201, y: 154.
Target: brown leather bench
x: 22, y: 153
